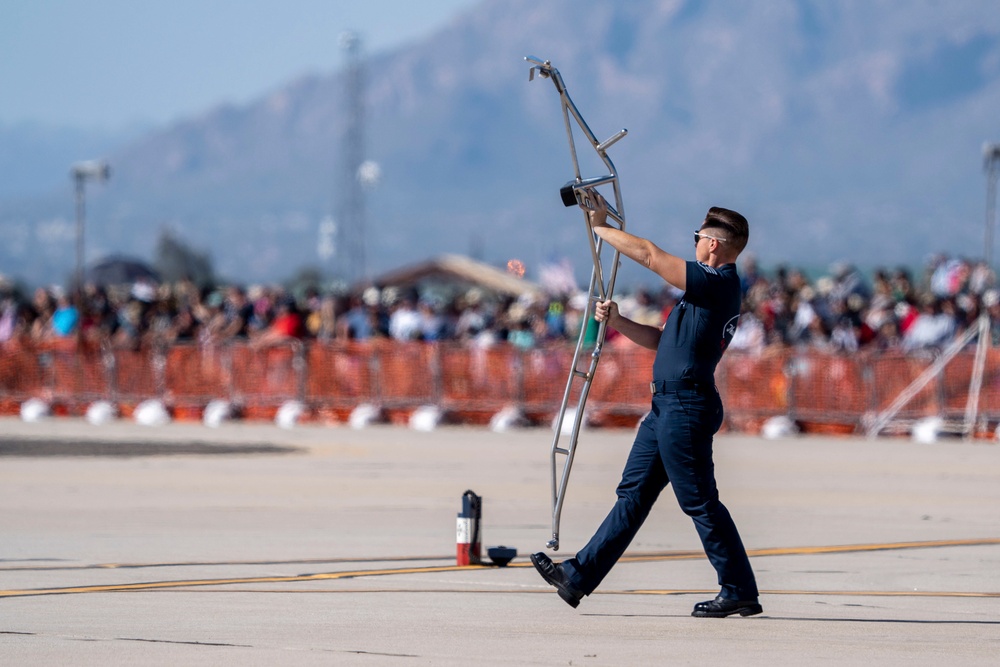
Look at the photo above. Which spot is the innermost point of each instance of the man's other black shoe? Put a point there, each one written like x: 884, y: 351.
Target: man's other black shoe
x: 721, y: 607
x: 554, y: 575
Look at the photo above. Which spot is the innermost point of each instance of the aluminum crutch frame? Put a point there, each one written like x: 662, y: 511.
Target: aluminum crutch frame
x: 577, y: 193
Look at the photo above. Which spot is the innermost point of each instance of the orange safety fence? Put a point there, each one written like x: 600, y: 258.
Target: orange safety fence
x: 479, y: 380
x: 408, y: 375
x: 21, y: 376
x: 544, y: 374
x: 75, y: 375
x: 265, y: 377
x: 340, y: 375
x: 619, y: 394
x: 753, y: 388
x: 989, y: 397
x: 824, y: 391
x: 827, y: 389
x: 197, y: 373
x: 953, y: 393
x: 894, y: 372
x: 621, y: 382
x: 137, y: 374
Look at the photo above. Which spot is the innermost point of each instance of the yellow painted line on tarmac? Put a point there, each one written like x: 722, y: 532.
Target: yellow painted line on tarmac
x: 155, y: 585
x: 916, y: 594
x: 812, y: 551
x: 632, y: 557
x: 547, y: 591
x: 212, y: 563
x: 350, y: 574
x: 888, y: 546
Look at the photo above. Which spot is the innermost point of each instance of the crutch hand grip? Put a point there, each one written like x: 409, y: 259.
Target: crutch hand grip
x: 574, y: 193
x: 568, y: 194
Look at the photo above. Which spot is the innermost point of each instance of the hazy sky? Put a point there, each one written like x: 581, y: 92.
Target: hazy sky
x: 108, y: 63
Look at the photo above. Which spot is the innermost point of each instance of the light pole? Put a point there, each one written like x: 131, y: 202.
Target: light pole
x: 991, y: 165
x: 352, y: 222
x: 97, y: 170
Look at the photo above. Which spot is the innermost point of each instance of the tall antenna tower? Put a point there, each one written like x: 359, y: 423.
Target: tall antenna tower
x: 351, y: 257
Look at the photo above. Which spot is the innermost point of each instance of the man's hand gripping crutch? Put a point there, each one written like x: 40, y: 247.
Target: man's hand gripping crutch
x: 596, y: 208
x: 582, y: 192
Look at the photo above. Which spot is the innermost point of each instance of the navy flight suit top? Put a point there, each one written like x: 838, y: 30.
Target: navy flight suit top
x: 700, y: 327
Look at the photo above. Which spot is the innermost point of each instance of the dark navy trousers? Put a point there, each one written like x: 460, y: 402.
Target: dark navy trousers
x: 673, y: 446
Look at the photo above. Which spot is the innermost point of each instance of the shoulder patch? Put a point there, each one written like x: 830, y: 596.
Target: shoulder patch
x: 708, y: 269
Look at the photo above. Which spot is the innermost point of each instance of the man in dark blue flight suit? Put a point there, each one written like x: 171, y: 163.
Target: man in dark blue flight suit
x: 674, y: 442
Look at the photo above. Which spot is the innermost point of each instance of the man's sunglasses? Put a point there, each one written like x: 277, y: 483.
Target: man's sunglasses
x: 698, y: 236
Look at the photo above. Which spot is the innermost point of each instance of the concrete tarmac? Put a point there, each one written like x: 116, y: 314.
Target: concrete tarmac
x: 253, y: 545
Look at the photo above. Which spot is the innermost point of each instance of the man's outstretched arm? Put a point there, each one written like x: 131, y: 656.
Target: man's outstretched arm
x: 671, y: 268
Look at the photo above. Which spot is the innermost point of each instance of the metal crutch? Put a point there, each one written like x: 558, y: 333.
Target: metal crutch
x: 577, y: 193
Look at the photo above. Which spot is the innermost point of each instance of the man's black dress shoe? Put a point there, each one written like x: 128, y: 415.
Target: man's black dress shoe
x: 553, y: 574
x: 721, y: 607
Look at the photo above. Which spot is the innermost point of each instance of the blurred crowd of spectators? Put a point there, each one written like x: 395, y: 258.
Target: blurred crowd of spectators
x: 843, y: 311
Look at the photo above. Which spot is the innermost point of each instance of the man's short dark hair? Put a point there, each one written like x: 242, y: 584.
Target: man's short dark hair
x: 732, y: 222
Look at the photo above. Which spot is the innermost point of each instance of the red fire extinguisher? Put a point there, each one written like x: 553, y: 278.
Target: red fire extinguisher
x: 468, y: 545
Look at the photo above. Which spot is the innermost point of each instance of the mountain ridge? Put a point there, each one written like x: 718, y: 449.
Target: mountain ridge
x: 846, y: 130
